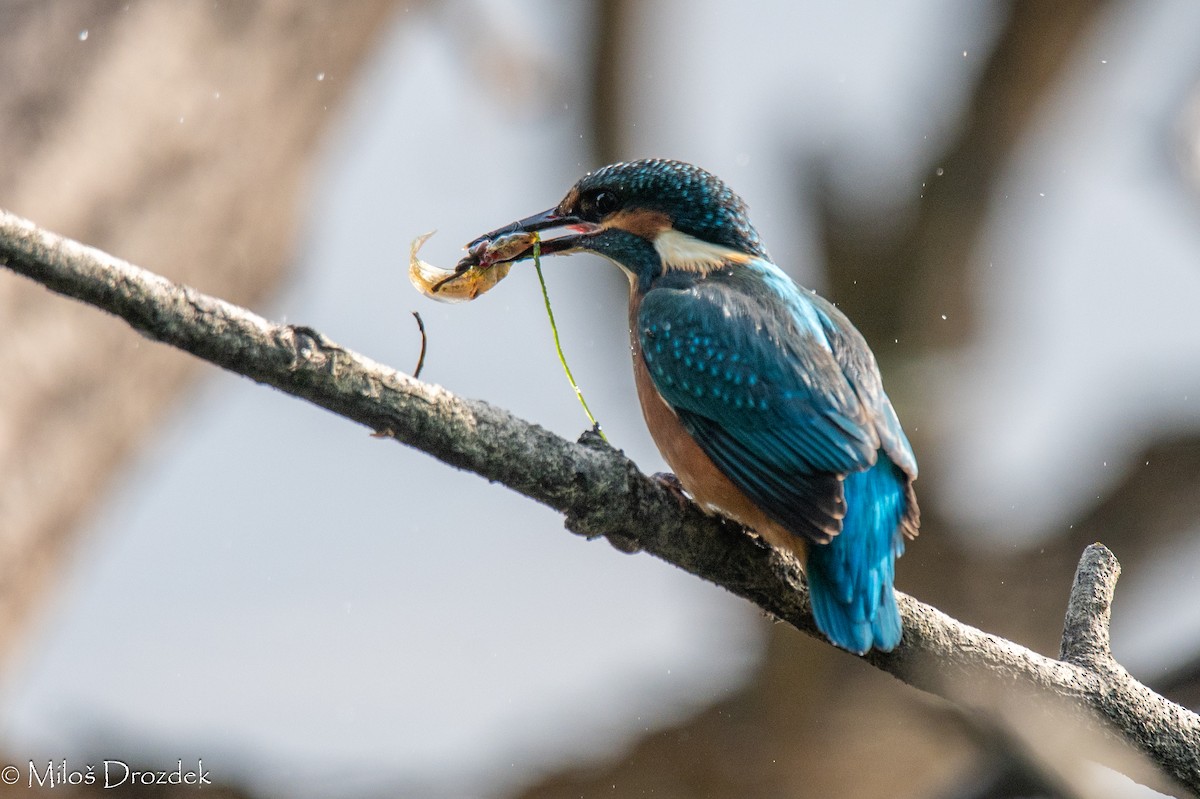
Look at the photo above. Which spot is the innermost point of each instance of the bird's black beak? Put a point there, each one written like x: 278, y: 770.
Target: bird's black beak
x: 512, y: 243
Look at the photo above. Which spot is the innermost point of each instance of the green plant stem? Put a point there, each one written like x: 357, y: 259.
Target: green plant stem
x: 537, y: 265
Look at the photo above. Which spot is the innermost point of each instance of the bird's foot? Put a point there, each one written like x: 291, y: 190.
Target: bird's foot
x: 673, y: 487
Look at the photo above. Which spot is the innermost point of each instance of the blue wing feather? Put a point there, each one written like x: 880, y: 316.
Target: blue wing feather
x: 858, y: 365
x: 754, y: 380
x: 782, y: 393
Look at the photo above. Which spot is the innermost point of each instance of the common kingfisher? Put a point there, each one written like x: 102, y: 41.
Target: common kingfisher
x: 761, y: 395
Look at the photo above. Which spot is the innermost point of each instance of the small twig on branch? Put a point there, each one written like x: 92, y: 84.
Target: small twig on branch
x: 424, y: 342
x: 601, y: 493
x: 1085, y: 640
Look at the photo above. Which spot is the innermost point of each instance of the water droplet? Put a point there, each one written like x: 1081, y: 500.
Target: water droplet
x: 964, y: 53
x: 83, y: 34
x: 943, y: 317
x: 939, y: 171
x: 216, y: 95
x: 320, y: 76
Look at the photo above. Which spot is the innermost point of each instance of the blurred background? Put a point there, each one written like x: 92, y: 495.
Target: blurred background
x: 1003, y: 196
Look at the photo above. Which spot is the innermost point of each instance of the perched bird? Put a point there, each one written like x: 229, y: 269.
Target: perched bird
x: 762, y: 397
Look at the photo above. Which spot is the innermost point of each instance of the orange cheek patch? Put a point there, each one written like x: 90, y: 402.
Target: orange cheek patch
x: 647, y: 224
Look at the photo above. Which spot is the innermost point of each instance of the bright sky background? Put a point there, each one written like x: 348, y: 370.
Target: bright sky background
x: 271, y: 585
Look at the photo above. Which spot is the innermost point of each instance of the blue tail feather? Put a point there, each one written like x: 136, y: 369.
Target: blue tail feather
x: 850, y: 579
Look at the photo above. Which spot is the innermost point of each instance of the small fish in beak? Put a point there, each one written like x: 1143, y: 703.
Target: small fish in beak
x: 487, y: 263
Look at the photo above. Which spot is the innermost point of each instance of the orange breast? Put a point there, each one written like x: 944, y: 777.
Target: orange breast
x: 707, y: 484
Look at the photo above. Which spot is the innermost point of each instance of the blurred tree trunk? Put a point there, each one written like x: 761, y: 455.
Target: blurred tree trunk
x: 615, y: 24
x: 179, y: 134
x: 900, y: 282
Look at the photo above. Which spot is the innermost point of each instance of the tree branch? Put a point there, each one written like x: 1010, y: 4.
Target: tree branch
x: 601, y: 493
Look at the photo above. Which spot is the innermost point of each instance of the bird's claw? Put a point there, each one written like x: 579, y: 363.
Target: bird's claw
x: 671, y: 484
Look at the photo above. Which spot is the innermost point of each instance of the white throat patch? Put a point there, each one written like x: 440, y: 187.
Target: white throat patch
x: 681, y: 251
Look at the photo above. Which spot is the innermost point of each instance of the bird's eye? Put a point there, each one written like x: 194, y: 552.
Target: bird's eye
x: 596, y: 205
